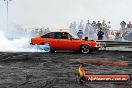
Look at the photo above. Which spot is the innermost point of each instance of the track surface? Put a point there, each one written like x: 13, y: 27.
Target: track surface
x: 57, y: 70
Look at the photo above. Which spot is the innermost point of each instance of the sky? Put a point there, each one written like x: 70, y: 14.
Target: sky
x: 60, y: 13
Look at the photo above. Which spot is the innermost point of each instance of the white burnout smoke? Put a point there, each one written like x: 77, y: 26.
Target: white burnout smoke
x: 16, y: 40
x: 17, y: 45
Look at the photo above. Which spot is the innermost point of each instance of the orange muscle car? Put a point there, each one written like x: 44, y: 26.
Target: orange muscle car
x: 65, y: 41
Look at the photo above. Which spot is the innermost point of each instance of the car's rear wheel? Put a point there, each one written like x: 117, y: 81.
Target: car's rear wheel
x: 44, y: 47
x: 85, y: 49
x: 52, y: 51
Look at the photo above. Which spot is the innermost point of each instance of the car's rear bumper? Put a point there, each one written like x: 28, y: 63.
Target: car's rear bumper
x: 31, y: 44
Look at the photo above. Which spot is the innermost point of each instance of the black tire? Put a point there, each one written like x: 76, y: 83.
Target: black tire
x: 85, y: 49
x: 45, y: 47
x: 52, y: 51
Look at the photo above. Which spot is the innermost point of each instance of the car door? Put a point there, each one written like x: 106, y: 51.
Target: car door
x: 64, y: 42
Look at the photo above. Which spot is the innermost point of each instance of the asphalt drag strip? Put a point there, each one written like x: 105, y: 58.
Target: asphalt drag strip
x: 57, y: 70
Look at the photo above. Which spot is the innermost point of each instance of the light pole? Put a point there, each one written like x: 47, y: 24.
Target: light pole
x: 7, y: 1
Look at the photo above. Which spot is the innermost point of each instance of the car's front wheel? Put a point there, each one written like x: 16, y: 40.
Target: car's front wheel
x: 85, y: 49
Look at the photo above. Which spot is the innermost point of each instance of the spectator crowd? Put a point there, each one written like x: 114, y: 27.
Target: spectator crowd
x: 95, y: 30
x: 99, y: 30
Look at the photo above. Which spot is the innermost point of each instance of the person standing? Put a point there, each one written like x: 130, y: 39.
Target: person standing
x: 81, y: 26
x: 104, y: 28
x: 107, y: 32
x: 100, y: 34
x: 94, y: 25
x: 87, y: 29
x: 72, y: 28
x: 103, y: 25
x: 129, y: 25
x: 98, y: 25
x: 123, y: 25
x: 109, y: 25
x: 80, y: 34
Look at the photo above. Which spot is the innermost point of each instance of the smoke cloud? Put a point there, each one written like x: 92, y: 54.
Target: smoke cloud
x: 16, y: 39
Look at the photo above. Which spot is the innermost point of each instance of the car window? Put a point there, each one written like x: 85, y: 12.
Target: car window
x: 74, y: 36
x: 64, y: 36
x: 49, y: 35
x: 69, y: 36
x: 57, y: 35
